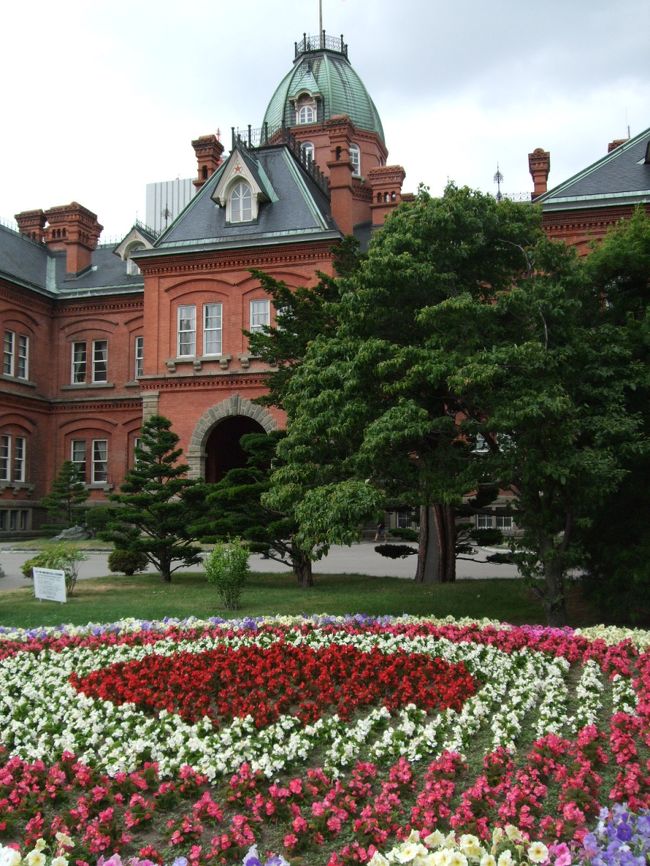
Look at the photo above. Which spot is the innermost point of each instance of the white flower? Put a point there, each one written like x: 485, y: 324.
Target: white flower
x: 9, y: 857
x: 538, y: 852
x: 35, y: 858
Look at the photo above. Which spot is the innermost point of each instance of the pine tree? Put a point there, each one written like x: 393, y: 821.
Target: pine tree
x: 154, y: 511
x: 65, y: 501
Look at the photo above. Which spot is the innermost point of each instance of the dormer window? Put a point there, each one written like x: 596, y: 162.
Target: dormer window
x: 355, y: 159
x: 306, y: 110
x: 241, y: 203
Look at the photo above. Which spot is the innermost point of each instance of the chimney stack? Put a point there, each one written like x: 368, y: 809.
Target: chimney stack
x: 208, y: 150
x: 32, y: 224
x: 75, y: 229
x: 616, y: 143
x: 539, y: 165
x: 386, y: 184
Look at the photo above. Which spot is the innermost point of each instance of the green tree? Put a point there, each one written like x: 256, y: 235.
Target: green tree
x: 234, y: 509
x: 155, y: 508
x: 372, y: 417
x: 617, y: 542
x: 463, y: 320
x: 65, y: 501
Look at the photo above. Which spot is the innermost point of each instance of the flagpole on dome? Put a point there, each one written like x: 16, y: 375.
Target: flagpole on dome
x: 320, y: 23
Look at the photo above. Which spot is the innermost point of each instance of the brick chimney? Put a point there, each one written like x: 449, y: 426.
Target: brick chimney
x: 539, y: 165
x: 616, y: 143
x: 32, y: 224
x: 208, y: 150
x: 340, y: 132
x: 75, y: 229
x: 386, y: 184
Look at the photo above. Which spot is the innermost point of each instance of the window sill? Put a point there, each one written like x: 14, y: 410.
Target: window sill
x: 82, y: 386
x: 100, y: 485
x: 17, y: 486
x: 17, y: 380
x: 198, y: 362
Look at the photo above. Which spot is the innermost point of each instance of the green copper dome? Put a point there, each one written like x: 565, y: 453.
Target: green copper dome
x: 321, y: 68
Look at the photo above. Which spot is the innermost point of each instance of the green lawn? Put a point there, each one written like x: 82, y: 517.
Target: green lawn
x: 146, y: 597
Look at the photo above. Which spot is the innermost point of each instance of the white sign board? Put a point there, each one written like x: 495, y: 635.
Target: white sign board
x: 49, y: 584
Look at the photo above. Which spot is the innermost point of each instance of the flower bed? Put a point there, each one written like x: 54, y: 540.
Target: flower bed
x: 324, y: 740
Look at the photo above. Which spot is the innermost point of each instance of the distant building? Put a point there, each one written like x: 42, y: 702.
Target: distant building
x: 165, y: 200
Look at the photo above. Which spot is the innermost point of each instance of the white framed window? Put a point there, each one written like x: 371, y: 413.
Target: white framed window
x: 78, y: 457
x: 139, y: 357
x: 78, y: 375
x: 306, y: 110
x: 99, y: 468
x: 8, y: 344
x: 241, y: 203
x: 100, y: 360
x: 504, y: 522
x: 212, y: 329
x: 186, y: 347
x: 136, y: 444
x: 13, y: 458
x: 484, y: 521
x: 5, y: 458
x: 307, y: 151
x: 22, y: 358
x: 355, y: 159
x: 260, y: 315
x: 20, y: 458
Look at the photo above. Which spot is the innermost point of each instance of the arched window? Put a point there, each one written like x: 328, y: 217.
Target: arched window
x: 306, y: 110
x: 307, y: 151
x: 241, y: 203
x: 355, y: 159
x: 131, y: 267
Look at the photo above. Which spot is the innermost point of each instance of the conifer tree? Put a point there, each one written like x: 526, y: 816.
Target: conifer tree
x: 65, y: 501
x: 155, y: 509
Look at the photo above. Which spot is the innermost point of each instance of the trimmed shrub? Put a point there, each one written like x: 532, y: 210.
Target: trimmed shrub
x: 227, y: 568
x: 63, y: 556
x: 127, y: 561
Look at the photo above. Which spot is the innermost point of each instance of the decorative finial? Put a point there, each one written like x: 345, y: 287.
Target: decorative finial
x: 498, y: 179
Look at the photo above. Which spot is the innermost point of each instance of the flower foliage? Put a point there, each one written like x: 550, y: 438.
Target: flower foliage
x: 323, y: 740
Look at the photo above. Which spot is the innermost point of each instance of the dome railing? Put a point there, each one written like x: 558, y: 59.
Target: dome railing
x: 320, y: 42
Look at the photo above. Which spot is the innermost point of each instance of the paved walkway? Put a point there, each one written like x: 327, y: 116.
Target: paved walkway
x: 356, y: 559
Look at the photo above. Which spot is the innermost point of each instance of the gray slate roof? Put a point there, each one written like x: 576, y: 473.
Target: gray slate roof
x: 621, y: 177
x: 34, y: 266
x: 299, y: 210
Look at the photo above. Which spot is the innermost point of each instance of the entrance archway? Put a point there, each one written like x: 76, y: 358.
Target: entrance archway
x: 232, y: 408
x: 223, y: 450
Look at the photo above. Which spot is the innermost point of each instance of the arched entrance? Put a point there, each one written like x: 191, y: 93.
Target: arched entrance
x: 223, y: 450
x: 227, y: 422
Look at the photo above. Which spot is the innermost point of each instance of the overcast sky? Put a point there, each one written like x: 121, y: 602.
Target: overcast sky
x: 100, y: 98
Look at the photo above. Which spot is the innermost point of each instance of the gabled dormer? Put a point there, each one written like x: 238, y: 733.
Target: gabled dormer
x: 242, y: 187
x: 138, y: 238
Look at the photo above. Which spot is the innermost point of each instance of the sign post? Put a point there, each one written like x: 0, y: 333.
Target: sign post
x: 49, y: 584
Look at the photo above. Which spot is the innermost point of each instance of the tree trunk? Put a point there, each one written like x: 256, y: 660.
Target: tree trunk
x: 554, y: 599
x: 302, y: 568
x: 437, y: 547
x: 166, y: 568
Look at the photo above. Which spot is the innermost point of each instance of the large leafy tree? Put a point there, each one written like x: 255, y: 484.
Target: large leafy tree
x: 372, y: 417
x: 463, y: 320
x: 617, y: 541
x: 66, y: 500
x: 155, y: 509
x: 234, y: 509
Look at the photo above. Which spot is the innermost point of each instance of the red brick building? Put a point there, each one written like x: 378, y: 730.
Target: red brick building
x: 97, y: 337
